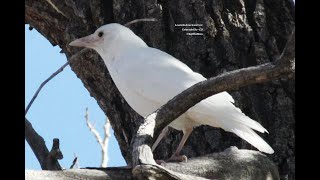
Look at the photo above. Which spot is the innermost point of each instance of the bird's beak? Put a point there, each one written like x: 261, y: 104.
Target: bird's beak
x: 88, y: 41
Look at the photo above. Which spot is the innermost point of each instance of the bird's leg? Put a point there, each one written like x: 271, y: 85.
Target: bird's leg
x: 155, y: 144
x: 176, y: 156
x: 160, y: 137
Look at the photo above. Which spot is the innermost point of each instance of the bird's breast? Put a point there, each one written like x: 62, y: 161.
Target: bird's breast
x: 140, y: 104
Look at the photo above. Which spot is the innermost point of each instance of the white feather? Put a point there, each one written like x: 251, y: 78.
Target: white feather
x: 251, y: 137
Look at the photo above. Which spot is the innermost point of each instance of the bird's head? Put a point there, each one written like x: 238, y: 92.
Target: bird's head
x: 108, y: 37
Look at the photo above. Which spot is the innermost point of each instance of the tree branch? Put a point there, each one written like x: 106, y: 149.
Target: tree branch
x: 52, y: 76
x: 103, y: 144
x: 93, y: 130
x: 47, y: 160
x: 139, y: 20
x: 74, y: 162
x: 231, y: 164
x: 105, y: 157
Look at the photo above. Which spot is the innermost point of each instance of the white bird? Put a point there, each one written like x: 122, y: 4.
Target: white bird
x: 148, y: 78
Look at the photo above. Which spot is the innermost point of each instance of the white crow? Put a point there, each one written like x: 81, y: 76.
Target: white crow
x: 148, y: 78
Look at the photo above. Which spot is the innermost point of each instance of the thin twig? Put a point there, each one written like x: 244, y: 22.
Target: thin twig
x: 105, y: 158
x: 93, y: 129
x: 75, y: 160
x: 44, y: 83
x: 52, y: 76
x: 140, y: 20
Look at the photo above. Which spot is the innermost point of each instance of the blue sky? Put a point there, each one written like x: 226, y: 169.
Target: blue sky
x: 58, y: 111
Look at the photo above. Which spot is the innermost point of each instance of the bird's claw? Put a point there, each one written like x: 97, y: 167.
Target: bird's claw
x: 175, y: 158
x: 160, y: 162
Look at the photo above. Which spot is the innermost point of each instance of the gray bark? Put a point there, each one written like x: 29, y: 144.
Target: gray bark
x: 237, y: 34
x: 246, y: 164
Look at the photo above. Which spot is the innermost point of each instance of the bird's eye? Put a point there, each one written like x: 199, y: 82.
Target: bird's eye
x: 100, y: 34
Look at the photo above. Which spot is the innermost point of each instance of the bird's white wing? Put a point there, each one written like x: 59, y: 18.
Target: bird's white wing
x: 156, y: 75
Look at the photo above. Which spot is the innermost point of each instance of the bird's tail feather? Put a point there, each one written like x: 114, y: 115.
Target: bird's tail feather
x: 243, y: 126
x: 241, y: 118
x: 219, y: 111
x: 251, y: 137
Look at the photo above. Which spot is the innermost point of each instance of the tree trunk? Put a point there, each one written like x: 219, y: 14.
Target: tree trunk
x: 237, y: 34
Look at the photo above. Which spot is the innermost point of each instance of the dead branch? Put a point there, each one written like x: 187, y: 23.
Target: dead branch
x: 107, y: 135
x: 103, y: 144
x: 93, y: 129
x: 74, y: 162
x: 52, y: 76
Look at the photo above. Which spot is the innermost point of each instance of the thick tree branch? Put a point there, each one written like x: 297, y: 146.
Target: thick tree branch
x: 149, y: 171
x: 48, y: 161
x: 231, y: 164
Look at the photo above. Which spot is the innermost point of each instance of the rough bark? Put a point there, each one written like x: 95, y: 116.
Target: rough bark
x: 246, y: 164
x: 237, y: 34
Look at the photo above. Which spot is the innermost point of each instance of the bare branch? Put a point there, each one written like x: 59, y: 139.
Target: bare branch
x: 74, y: 162
x: 40, y: 149
x: 105, y: 143
x: 52, y: 76
x: 93, y: 129
x: 140, y: 20
x: 106, y: 128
